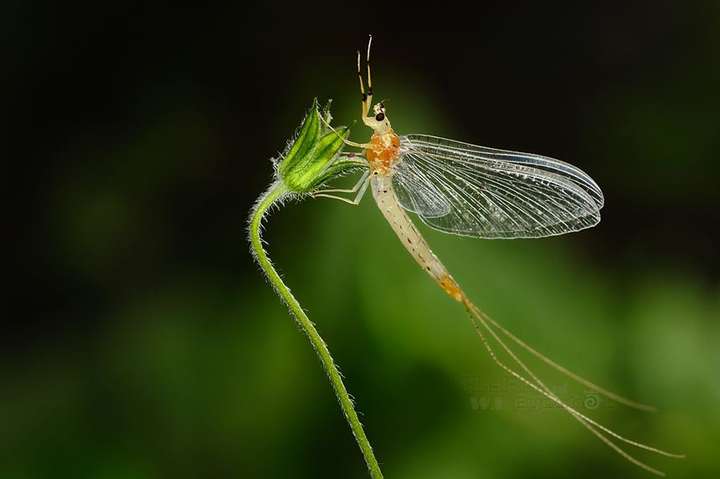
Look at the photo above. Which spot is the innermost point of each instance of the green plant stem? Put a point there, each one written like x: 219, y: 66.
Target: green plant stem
x: 276, y: 192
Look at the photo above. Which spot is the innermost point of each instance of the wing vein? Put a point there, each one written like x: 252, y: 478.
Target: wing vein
x: 476, y: 191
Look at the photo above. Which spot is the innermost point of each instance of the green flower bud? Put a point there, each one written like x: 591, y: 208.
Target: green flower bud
x: 310, y: 158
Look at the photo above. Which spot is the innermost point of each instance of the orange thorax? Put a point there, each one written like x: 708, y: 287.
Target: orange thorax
x: 383, y: 151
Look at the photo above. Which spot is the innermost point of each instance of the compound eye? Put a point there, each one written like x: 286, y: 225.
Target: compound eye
x: 380, y: 116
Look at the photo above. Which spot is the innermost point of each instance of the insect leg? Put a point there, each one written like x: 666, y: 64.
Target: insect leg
x: 354, y: 189
x: 369, y: 78
x: 363, y: 189
x: 353, y: 157
x: 366, y: 97
x: 346, y: 141
x: 339, y: 198
x: 356, y: 201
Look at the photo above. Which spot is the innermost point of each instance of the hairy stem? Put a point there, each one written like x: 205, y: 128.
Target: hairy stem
x: 276, y: 192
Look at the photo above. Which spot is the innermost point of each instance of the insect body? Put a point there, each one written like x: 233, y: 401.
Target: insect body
x: 470, y: 190
x: 383, y: 152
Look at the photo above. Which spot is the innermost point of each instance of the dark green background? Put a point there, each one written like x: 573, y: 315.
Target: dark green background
x: 142, y: 342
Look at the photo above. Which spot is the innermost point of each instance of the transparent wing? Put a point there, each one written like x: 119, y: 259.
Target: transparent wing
x: 472, y: 190
x: 417, y: 193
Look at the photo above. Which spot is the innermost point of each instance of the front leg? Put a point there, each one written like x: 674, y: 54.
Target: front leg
x: 364, y: 146
x: 366, y: 96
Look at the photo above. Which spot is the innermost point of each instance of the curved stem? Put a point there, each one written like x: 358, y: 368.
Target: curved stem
x: 276, y: 192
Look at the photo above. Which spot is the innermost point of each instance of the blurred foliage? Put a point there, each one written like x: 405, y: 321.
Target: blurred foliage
x: 207, y: 376
x: 155, y: 349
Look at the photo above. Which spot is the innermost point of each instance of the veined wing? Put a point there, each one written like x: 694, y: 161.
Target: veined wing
x: 493, y: 193
x: 417, y: 192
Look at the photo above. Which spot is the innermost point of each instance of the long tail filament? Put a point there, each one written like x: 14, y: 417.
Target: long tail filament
x: 483, y: 322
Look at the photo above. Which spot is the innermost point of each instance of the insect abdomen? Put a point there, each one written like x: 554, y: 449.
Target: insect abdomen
x: 409, y: 235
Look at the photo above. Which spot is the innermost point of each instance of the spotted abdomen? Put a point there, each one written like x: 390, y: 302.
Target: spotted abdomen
x: 409, y: 235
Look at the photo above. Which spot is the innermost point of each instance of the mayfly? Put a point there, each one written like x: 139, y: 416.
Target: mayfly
x: 470, y: 190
